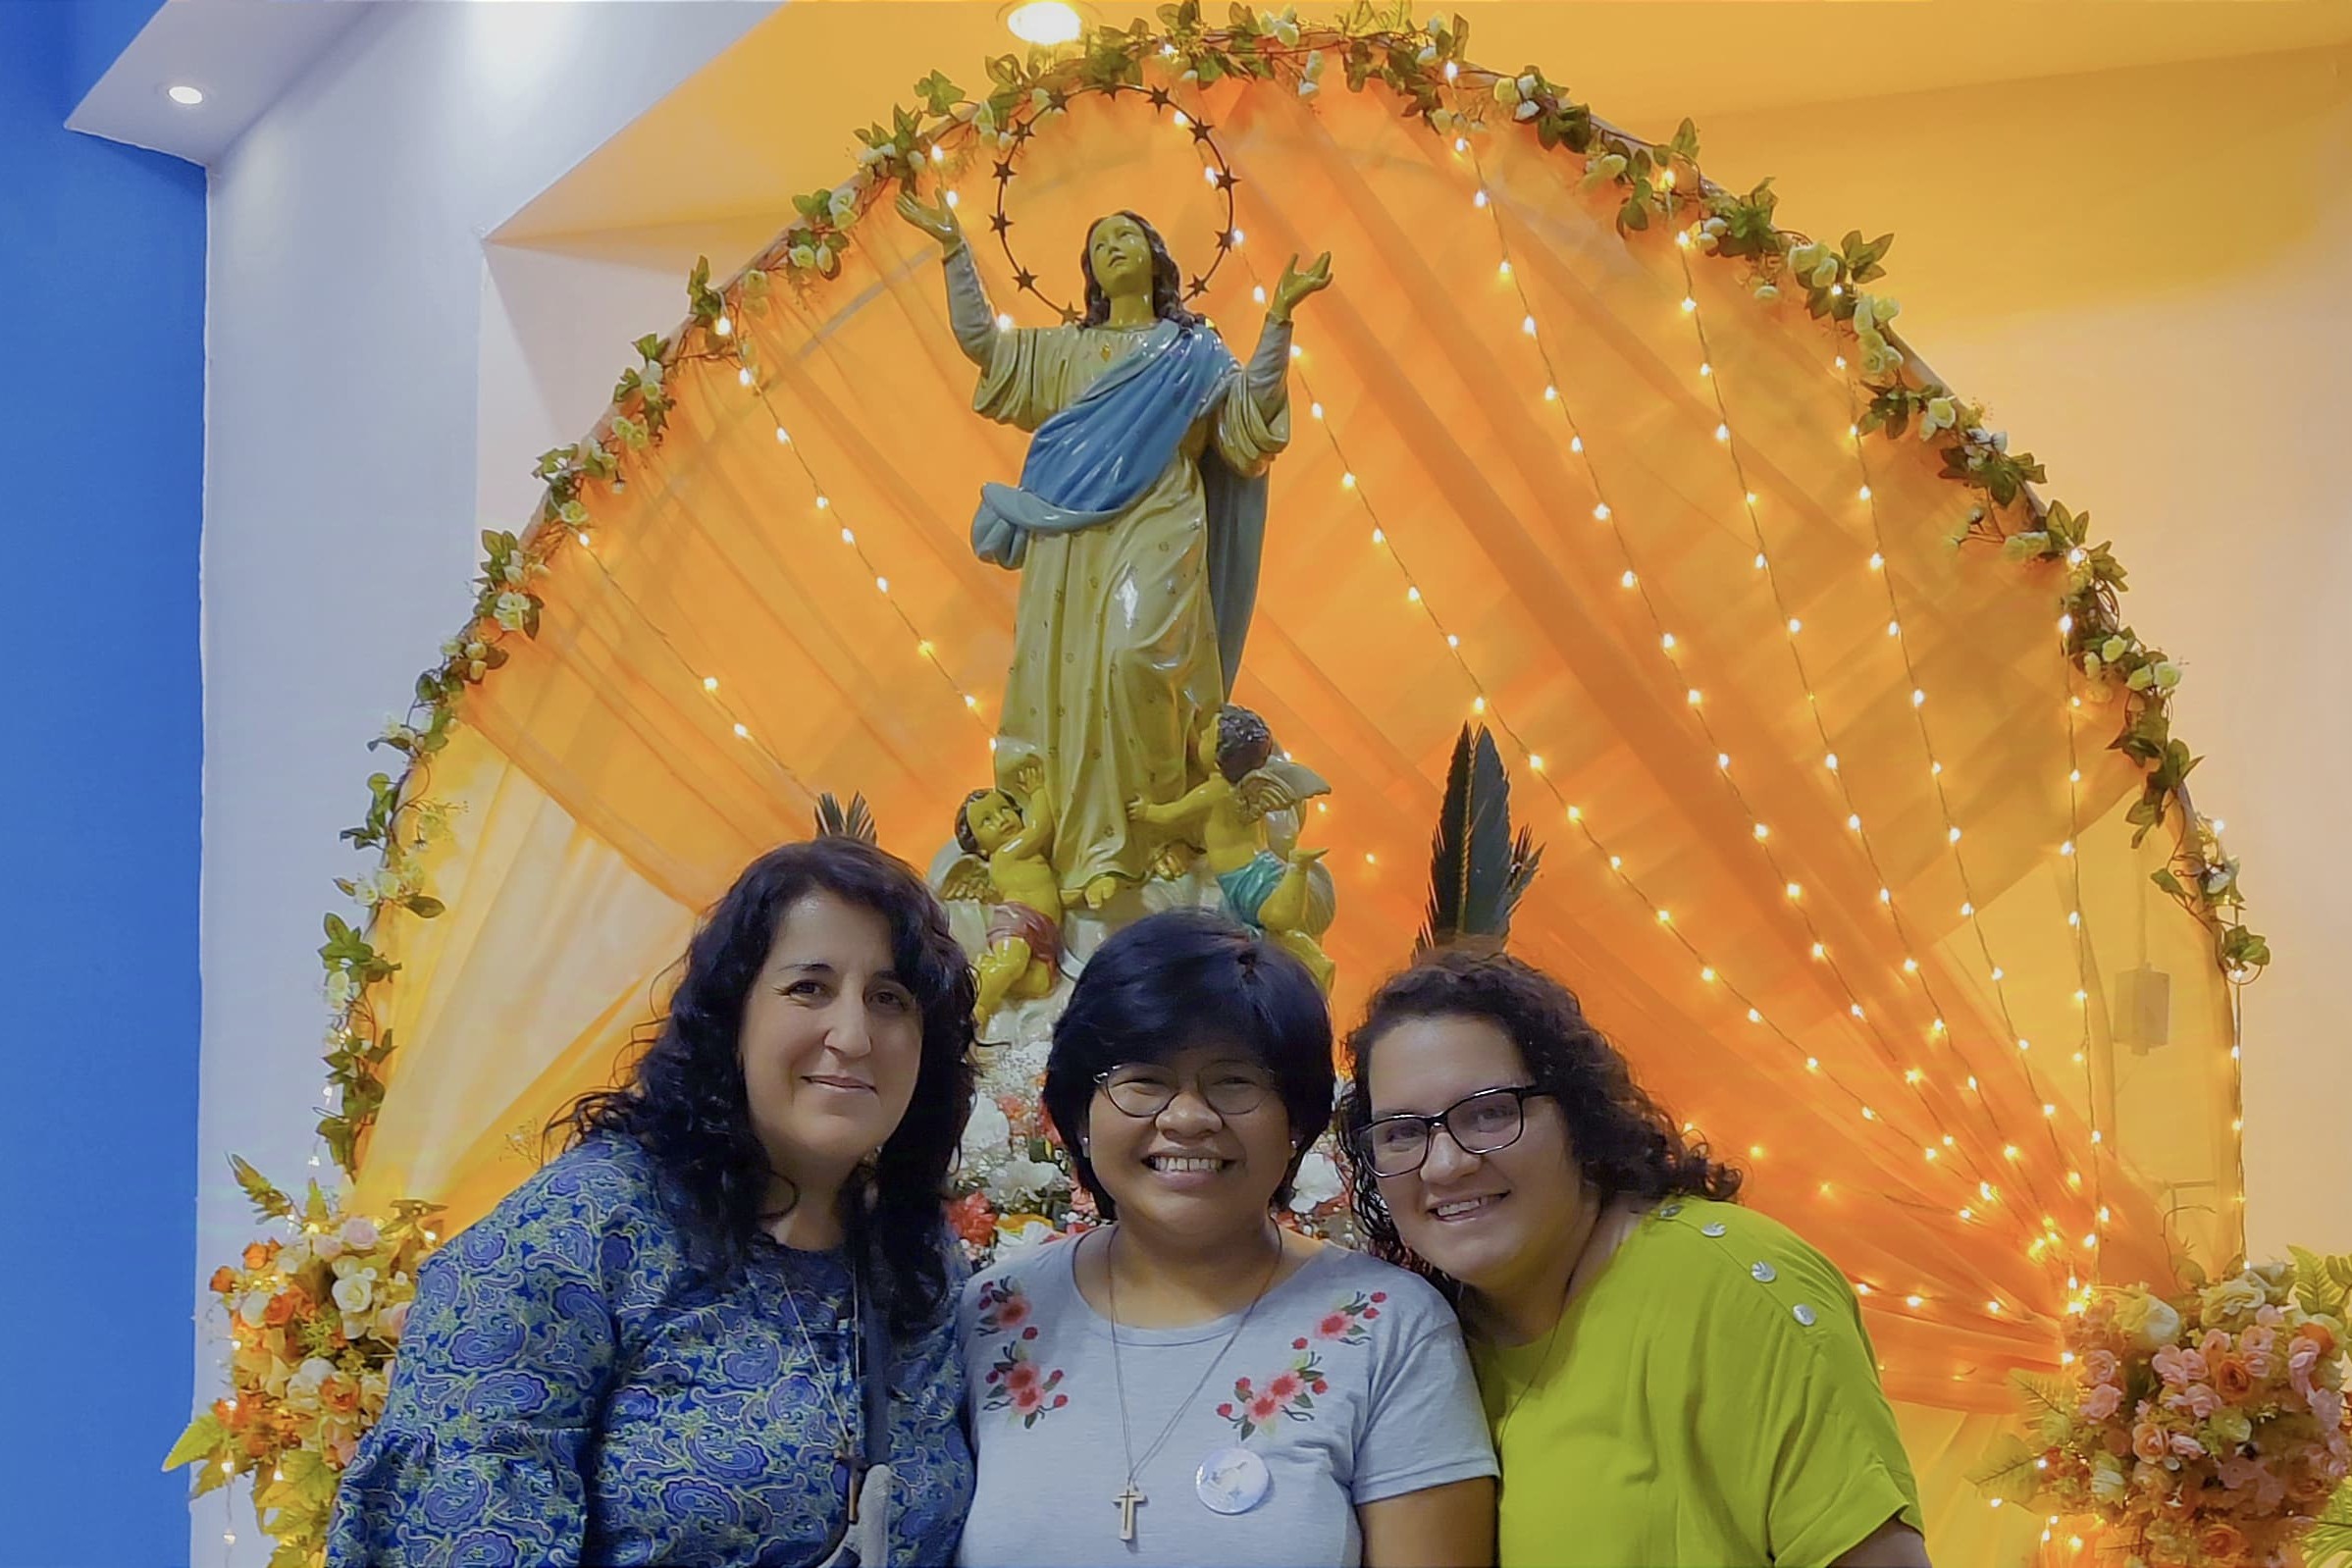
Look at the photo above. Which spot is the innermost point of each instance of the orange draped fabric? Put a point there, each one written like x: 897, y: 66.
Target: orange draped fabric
x: 1959, y: 1132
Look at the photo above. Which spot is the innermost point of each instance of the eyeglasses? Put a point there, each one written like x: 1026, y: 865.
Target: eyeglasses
x: 1479, y: 1124
x: 1141, y: 1089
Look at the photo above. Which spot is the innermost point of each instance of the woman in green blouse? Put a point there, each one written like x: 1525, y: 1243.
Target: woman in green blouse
x: 1671, y: 1380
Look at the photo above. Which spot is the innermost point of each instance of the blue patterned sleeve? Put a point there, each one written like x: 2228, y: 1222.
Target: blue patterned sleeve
x: 501, y: 1375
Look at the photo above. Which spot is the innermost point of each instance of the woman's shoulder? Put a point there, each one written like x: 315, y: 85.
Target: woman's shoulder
x: 1019, y: 1276
x: 1720, y: 1253
x: 600, y: 1187
x: 1377, y: 1290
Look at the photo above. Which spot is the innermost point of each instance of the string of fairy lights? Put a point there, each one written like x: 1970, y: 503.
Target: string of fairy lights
x: 1483, y: 704
x: 1734, y: 447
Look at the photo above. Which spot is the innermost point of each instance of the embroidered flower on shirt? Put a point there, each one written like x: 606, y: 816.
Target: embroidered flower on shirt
x: 1345, y: 1323
x: 1290, y: 1394
x: 1004, y: 1307
x: 1018, y: 1385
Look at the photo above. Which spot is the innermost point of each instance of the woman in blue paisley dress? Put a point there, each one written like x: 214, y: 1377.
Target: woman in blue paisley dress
x: 648, y: 1353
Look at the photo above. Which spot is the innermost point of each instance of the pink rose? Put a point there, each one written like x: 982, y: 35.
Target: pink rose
x: 2180, y: 1367
x: 2255, y: 1345
x: 390, y: 1321
x: 2329, y: 1406
x: 2271, y: 1318
x: 2101, y: 1366
x: 2214, y: 1344
x: 2197, y: 1400
x: 2148, y: 1441
x: 2102, y: 1401
x: 2187, y: 1447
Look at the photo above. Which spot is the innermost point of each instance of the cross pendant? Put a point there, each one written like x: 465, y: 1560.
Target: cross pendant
x: 1125, y: 1502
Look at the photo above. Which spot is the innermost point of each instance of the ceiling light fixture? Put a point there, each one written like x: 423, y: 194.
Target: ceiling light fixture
x: 1045, y: 21
x: 180, y: 93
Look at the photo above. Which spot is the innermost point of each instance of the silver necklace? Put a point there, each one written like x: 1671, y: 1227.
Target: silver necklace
x: 846, y: 1451
x: 1129, y: 1497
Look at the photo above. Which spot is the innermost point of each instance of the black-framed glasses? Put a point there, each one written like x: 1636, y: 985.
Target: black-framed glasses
x: 1479, y: 1124
x: 1145, y: 1089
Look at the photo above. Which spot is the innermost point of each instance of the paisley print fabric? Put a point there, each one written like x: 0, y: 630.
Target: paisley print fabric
x: 568, y: 1396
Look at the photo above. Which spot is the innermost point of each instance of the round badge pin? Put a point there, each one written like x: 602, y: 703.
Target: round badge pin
x: 1233, y: 1480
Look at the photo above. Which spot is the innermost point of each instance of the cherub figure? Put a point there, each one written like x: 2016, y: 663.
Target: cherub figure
x: 1265, y: 883
x: 1008, y: 865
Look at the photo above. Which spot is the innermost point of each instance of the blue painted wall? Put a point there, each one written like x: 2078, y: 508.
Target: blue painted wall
x: 101, y: 492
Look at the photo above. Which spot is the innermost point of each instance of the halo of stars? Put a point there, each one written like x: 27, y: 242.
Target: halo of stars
x: 1220, y: 174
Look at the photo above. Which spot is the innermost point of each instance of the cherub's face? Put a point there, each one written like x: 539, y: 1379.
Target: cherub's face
x: 994, y: 820
x: 1121, y: 255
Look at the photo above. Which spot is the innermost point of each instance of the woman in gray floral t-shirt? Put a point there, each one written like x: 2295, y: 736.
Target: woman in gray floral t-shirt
x: 1192, y: 1383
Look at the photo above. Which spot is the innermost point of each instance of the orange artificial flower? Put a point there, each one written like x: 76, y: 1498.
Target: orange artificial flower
x: 339, y: 1395
x: 2221, y: 1544
x: 2232, y: 1379
x: 2323, y: 1335
x: 972, y: 1219
x: 223, y: 1280
x: 280, y: 1312
x: 259, y: 1253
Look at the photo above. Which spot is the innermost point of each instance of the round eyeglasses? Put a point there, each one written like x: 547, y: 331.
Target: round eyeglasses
x: 1229, y: 1088
x: 1479, y: 1124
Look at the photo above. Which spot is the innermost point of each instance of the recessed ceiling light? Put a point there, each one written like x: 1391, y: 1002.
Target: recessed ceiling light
x: 1044, y: 22
x: 184, y: 95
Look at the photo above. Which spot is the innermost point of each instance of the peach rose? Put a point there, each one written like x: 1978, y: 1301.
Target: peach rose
x: 2232, y: 1379
x: 2221, y: 1544
x: 339, y: 1395
x: 2148, y: 1441
x: 259, y: 1253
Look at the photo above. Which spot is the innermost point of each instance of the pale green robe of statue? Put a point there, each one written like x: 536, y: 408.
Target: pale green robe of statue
x: 1115, y: 651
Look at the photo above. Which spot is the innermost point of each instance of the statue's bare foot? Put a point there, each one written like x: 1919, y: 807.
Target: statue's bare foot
x: 1101, y: 891
x: 1172, y: 862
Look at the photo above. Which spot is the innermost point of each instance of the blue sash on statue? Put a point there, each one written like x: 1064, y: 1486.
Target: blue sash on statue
x: 1094, y: 459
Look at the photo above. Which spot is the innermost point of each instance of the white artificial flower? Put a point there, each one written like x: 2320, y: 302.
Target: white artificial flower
x: 510, y: 610
x: 359, y: 1232
x: 842, y: 203
x: 987, y: 1138
x: 515, y: 569
x: 356, y: 1290
x: 824, y: 256
x: 1019, y: 1180
x: 1941, y: 413
x: 341, y: 989
x: 326, y: 1248
x: 1507, y: 90
x: 1317, y: 1183
x: 2167, y: 674
x: 2114, y: 648
x: 253, y: 1306
x: 804, y: 256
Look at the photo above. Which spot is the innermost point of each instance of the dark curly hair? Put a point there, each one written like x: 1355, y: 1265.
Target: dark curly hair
x: 685, y: 1104
x: 1243, y: 743
x: 1623, y: 1143
x: 1168, y: 284
x: 1180, y: 979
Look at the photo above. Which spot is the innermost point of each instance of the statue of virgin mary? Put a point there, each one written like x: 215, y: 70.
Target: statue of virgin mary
x: 1136, y: 526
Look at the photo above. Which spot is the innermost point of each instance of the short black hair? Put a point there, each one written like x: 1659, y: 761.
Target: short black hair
x: 1178, y: 979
